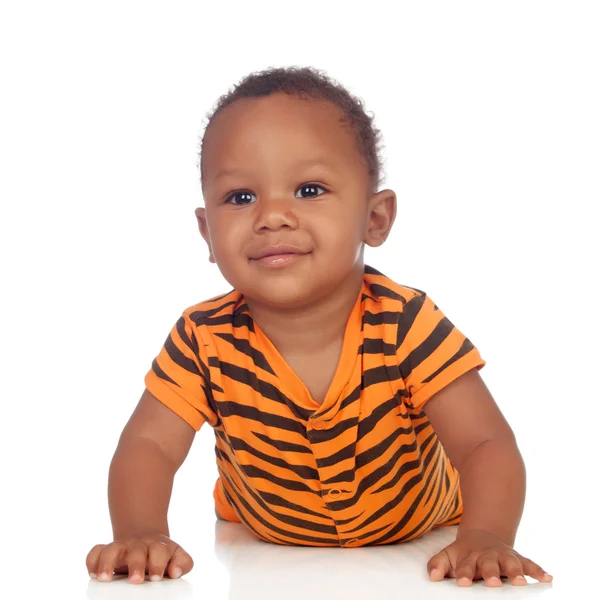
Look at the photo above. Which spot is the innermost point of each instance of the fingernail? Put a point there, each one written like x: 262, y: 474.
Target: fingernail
x: 103, y: 577
x: 155, y: 578
x: 464, y: 581
x: 494, y: 580
x: 520, y: 578
x: 93, y: 575
x: 177, y: 572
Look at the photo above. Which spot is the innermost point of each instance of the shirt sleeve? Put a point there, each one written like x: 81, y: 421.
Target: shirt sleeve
x: 431, y: 351
x: 179, y: 375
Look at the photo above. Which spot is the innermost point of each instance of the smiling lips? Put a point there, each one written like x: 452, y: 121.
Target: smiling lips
x: 276, y: 256
x: 280, y: 250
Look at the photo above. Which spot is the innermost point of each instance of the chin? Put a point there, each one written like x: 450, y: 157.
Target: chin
x: 284, y: 292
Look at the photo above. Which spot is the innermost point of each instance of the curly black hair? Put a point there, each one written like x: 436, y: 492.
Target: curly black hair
x: 308, y: 82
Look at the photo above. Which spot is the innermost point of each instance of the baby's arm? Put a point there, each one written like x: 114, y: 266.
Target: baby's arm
x: 152, y: 447
x: 482, y: 446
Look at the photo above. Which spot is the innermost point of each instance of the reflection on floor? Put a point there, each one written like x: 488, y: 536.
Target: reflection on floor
x: 259, y: 570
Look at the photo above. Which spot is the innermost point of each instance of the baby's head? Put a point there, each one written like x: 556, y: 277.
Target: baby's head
x: 289, y: 157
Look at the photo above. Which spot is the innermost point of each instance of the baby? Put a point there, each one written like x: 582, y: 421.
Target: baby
x: 347, y: 409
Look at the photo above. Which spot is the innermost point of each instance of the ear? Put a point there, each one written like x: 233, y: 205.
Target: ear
x: 203, y: 227
x: 382, y: 213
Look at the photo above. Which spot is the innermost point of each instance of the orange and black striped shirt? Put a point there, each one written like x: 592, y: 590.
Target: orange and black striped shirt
x: 363, y: 467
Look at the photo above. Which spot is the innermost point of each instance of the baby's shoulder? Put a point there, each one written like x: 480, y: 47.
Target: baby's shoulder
x: 392, y: 294
x: 219, y: 311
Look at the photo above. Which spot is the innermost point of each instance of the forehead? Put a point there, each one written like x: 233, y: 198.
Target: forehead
x: 278, y: 132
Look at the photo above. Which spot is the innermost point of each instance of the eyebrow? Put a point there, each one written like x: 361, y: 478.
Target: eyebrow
x: 308, y: 162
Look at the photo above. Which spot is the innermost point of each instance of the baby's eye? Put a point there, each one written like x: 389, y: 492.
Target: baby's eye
x: 311, y: 187
x: 243, y: 194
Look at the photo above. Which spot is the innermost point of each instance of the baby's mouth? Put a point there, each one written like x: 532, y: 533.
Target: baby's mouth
x: 281, y: 259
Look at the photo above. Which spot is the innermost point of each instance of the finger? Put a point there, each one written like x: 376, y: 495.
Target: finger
x: 438, y: 566
x: 534, y: 570
x: 180, y: 564
x: 511, y: 566
x: 91, y: 560
x: 465, y: 569
x: 489, y: 568
x: 159, y: 554
x: 137, y: 555
x: 109, y: 558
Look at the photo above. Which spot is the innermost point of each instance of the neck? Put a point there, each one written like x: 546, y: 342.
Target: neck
x: 313, y: 327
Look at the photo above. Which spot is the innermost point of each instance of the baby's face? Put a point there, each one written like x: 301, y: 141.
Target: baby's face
x: 281, y: 170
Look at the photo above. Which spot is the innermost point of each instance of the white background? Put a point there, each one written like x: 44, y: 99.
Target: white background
x: 490, y: 120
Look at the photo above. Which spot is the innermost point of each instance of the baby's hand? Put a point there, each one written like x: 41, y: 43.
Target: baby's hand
x: 480, y: 555
x: 149, y: 552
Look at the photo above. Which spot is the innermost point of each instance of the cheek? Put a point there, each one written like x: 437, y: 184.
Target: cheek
x: 341, y: 233
x: 229, y: 235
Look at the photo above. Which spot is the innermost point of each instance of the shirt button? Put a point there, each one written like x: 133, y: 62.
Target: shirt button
x: 319, y: 425
x: 335, y: 493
